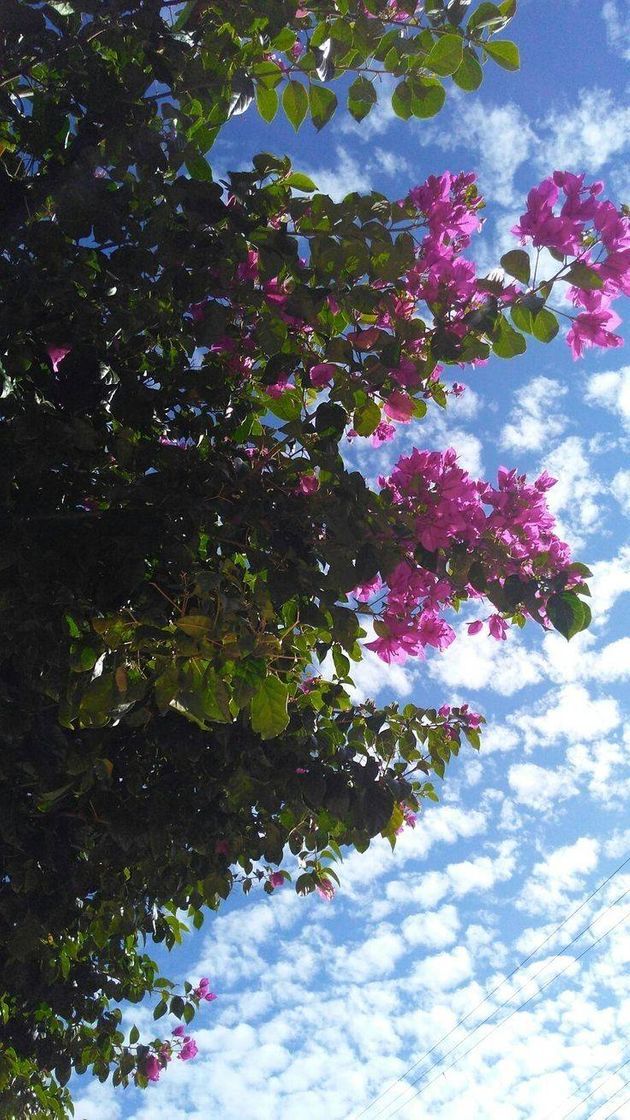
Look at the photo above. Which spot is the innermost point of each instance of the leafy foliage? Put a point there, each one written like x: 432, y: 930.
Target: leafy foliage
x: 183, y: 538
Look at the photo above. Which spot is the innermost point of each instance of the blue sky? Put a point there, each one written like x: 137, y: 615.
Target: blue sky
x: 323, y: 1006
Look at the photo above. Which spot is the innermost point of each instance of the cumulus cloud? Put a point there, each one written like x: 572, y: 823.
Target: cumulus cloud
x: 536, y: 419
x: 611, y: 390
x: 616, y: 17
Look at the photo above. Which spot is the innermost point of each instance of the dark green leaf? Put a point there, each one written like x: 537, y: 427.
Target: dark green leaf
x: 269, y: 708
x: 295, y: 102
x: 568, y: 614
x: 517, y: 264
x: 504, y: 52
x: 323, y: 103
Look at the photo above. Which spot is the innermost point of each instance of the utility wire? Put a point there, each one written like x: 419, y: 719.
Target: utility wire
x: 517, y: 968
x: 593, y: 1091
x: 514, y: 1011
x: 615, y: 1110
x: 587, y: 1081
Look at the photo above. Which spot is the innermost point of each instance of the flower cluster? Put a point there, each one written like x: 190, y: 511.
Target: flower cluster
x: 180, y: 1044
x: 566, y: 216
x: 453, y: 521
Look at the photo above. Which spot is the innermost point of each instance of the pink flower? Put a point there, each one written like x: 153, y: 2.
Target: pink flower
x: 308, y: 484
x: 152, y: 1068
x: 322, y: 374
x: 179, y: 1031
x: 364, y: 340
x: 382, y: 434
x: 276, y: 879
x: 399, y: 406
x: 57, y: 355
x: 202, y: 991
x: 498, y: 627
x: 474, y: 627
x: 189, y: 1050
x: 325, y: 890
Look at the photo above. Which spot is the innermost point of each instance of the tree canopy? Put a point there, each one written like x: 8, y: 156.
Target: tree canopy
x: 190, y: 566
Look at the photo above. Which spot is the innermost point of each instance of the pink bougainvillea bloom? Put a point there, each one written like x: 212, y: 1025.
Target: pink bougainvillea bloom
x: 410, y: 817
x: 276, y: 879
x: 382, y: 434
x: 365, y: 591
x: 202, y: 991
x: 57, y: 355
x: 364, y: 340
x: 179, y: 1031
x: 498, y: 627
x: 445, y: 710
x: 152, y: 1068
x: 322, y: 374
x: 189, y: 1050
x: 279, y: 388
x: 399, y: 406
x: 325, y: 890
x: 475, y: 627
x: 308, y: 484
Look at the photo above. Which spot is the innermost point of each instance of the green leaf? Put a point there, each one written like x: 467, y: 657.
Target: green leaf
x: 504, y: 52
x: 545, y: 325
x: 295, y: 103
x: 401, y: 100
x: 517, y: 264
x: 507, y: 342
x: 300, y: 182
x: 469, y: 74
x: 267, y: 102
x: 445, y: 57
x: 269, y: 708
x: 361, y: 97
x: 568, y: 614
x: 366, y: 418
x: 521, y: 316
x: 323, y: 103
x: 427, y: 97
x: 134, y: 1035
x: 582, y: 276
x: 199, y: 168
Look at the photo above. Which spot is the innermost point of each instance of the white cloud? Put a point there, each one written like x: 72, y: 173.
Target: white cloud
x: 620, y: 488
x: 575, y: 499
x: 479, y: 661
x: 569, y: 713
x: 501, y: 139
x: 617, y: 26
x: 610, y: 580
x: 539, y: 788
x: 535, y: 420
x: 561, y: 874
x: 584, y: 136
x: 348, y: 175
x: 611, y: 390
x: 433, y: 930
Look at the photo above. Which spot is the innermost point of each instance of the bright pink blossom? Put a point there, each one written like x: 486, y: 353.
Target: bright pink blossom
x: 276, y: 879
x: 152, y: 1068
x: 57, y: 355
x: 189, y: 1050
x: 475, y: 627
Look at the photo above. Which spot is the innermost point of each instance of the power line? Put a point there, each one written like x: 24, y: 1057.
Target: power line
x: 517, y: 968
x: 514, y: 1011
x: 615, y: 1110
x: 593, y: 1091
x: 587, y: 1080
